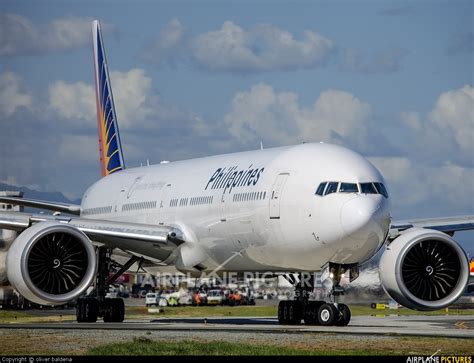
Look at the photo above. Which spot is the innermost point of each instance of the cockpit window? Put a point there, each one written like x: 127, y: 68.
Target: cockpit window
x: 326, y: 188
x: 348, y: 188
x: 320, y: 190
x: 367, y: 188
x: 381, y: 189
x: 332, y: 188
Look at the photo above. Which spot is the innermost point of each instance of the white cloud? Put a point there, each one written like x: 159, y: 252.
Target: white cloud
x: 263, y: 114
x: 167, y: 45
x: 449, y: 126
x: 132, y: 95
x: 262, y: 48
x: 415, y: 185
x: 411, y: 119
x: 454, y: 112
x: 19, y: 36
x: 11, y: 97
x: 134, y: 99
x: 68, y: 33
x: 73, y: 100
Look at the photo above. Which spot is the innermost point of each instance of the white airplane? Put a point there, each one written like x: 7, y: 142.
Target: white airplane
x: 304, y: 208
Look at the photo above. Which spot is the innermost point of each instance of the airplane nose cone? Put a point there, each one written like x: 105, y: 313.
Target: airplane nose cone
x: 365, y: 218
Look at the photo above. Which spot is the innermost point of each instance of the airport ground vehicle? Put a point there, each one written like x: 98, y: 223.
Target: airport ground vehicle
x: 215, y: 297
x: 199, y: 298
x: 152, y: 298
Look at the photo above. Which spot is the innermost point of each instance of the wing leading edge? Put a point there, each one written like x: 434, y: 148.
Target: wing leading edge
x: 447, y: 225
x: 156, y: 242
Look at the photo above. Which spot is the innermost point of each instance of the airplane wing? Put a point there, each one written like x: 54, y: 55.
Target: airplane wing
x: 156, y: 242
x: 447, y: 225
x: 41, y: 204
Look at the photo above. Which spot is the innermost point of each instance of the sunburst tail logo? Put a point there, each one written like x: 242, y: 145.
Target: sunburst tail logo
x: 110, y: 148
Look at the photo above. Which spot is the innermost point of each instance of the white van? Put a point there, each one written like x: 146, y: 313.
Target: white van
x: 151, y: 299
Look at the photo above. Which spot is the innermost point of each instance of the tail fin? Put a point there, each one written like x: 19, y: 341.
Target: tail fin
x: 110, y: 148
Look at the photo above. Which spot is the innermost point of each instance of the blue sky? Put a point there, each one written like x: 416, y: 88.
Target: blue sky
x: 391, y: 79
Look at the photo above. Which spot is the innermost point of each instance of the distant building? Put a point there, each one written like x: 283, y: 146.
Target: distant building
x: 10, y: 207
x: 6, y: 236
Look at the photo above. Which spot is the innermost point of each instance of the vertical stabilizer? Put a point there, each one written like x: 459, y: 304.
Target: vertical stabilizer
x: 110, y: 148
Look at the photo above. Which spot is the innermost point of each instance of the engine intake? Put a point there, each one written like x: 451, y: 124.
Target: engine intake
x: 51, y: 263
x: 424, y: 269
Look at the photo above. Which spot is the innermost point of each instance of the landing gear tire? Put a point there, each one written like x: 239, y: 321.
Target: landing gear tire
x: 327, y: 314
x: 311, y: 312
x: 95, y: 304
x: 114, y: 311
x: 290, y: 312
x: 87, y: 310
x: 344, y: 315
x: 317, y: 312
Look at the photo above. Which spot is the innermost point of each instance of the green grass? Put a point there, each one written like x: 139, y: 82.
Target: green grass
x: 145, y: 346
x: 12, y: 316
x: 9, y: 316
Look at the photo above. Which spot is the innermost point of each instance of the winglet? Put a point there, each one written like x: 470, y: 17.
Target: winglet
x: 110, y: 148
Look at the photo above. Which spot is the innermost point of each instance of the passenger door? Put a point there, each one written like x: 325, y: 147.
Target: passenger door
x: 164, y: 204
x: 276, y: 194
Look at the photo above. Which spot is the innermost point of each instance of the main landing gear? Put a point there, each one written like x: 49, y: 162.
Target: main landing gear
x: 95, y: 304
x: 312, y: 312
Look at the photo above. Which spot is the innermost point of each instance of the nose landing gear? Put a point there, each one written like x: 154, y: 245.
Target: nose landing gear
x: 317, y: 312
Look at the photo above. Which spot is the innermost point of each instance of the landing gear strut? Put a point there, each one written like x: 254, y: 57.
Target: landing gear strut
x: 95, y: 304
x: 317, y: 312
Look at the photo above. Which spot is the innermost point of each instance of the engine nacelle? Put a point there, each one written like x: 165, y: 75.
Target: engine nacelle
x: 51, y: 263
x: 424, y: 269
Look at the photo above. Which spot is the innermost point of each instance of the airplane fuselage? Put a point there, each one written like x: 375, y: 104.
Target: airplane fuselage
x: 261, y: 205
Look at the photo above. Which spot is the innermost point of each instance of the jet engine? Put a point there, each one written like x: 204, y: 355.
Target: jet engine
x: 424, y: 269
x: 51, y: 263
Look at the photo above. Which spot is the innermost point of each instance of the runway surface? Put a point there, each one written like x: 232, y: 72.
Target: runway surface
x: 429, y: 326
